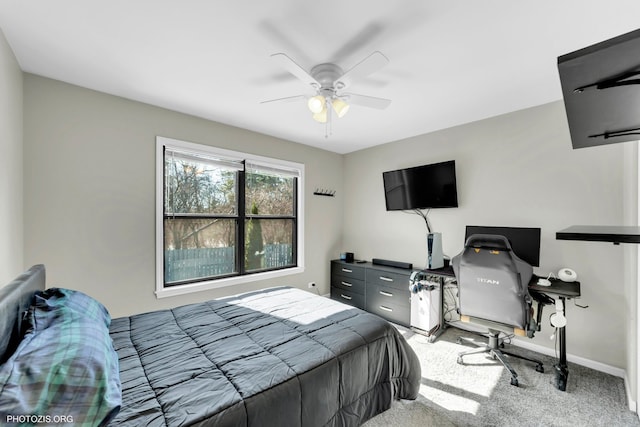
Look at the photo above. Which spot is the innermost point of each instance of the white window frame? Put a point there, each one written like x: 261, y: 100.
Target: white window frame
x: 161, y: 290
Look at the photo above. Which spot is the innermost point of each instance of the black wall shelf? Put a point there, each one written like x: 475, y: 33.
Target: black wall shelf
x: 601, y: 233
x: 323, y: 192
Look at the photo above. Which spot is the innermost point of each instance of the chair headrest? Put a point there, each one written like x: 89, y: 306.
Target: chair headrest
x: 489, y: 241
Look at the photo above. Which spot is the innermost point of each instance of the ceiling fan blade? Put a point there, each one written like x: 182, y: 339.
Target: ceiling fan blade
x: 291, y: 66
x: 368, y: 65
x: 367, y: 34
x: 286, y: 99
x: 367, y: 101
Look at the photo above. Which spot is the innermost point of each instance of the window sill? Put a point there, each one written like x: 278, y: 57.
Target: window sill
x: 221, y: 283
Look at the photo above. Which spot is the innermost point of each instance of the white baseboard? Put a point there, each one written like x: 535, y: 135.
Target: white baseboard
x: 633, y: 405
x: 598, y: 366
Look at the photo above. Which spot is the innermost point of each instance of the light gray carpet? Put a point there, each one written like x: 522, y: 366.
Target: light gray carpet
x: 479, y: 393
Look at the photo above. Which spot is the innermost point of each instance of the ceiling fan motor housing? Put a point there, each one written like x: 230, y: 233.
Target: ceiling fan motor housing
x: 326, y: 75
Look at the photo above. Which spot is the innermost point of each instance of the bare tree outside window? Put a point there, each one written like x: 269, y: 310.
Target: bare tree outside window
x: 202, y: 214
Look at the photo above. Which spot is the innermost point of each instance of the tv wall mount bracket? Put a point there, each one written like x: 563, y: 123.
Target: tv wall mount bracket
x: 624, y: 79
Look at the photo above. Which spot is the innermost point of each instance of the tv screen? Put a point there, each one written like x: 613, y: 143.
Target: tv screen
x: 421, y: 187
x: 525, y: 241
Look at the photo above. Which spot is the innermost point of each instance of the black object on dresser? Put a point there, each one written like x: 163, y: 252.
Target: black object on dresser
x: 378, y: 289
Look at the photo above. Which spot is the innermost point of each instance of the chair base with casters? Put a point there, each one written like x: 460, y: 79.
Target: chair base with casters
x: 493, y: 348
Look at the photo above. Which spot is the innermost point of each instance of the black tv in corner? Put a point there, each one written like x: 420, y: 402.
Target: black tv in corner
x: 600, y: 91
x: 421, y: 187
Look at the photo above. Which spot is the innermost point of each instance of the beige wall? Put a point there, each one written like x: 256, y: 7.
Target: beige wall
x: 90, y: 193
x: 11, y: 194
x: 515, y: 170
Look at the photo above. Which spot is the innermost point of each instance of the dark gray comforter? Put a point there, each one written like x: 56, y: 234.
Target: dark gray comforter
x: 278, y: 357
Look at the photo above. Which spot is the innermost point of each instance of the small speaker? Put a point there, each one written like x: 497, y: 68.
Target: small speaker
x: 346, y: 256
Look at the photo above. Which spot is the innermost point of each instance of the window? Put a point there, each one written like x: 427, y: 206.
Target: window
x: 224, y: 217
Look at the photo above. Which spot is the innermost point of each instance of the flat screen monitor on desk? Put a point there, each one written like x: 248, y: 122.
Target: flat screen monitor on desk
x: 525, y: 241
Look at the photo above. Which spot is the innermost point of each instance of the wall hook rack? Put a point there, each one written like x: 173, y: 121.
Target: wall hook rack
x: 323, y: 192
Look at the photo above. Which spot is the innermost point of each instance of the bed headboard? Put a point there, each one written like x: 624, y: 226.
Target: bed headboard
x: 15, y: 299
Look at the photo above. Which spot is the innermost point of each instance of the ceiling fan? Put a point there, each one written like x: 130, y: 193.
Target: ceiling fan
x: 327, y: 82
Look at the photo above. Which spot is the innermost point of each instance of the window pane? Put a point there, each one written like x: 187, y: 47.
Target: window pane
x: 198, y: 248
x: 193, y: 186
x: 269, y: 243
x: 269, y: 194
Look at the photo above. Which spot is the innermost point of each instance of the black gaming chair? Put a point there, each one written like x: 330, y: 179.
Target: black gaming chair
x: 493, y: 293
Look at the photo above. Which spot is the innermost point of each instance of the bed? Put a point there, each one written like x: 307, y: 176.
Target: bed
x: 279, y: 356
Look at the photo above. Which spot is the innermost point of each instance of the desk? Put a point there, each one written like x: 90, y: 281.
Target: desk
x: 558, y: 289
x: 563, y: 291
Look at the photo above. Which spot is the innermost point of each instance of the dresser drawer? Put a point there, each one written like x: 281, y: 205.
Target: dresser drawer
x: 347, y: 270
x: 347, y: 297
x: 347, y: 283
x: 394, y: 313
x: 382, y: 295
x: 388, y: 279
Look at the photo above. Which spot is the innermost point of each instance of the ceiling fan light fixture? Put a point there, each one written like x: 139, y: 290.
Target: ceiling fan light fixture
x: 322, y: 116
x: 316, y: 104
x: 340, y: 107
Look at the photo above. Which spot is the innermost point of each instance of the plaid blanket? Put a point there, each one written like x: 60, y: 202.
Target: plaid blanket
x: 65, y: 370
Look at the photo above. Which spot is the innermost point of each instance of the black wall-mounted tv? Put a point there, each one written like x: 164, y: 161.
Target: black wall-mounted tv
x: 600, y: 91
x: 421, y: 187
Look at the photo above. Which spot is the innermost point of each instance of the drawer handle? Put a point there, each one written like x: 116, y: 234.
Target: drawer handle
x: 386, y: 279
x: 386, y: 294
x: 345, y: 296
x: 347, y: 284
x: 346, y: 270
x: 386, y: 308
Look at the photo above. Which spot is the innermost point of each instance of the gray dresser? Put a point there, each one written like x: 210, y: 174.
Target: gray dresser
x: 375, y: 288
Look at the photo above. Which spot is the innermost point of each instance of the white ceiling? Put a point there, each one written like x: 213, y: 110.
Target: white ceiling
x: 451, y: 62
